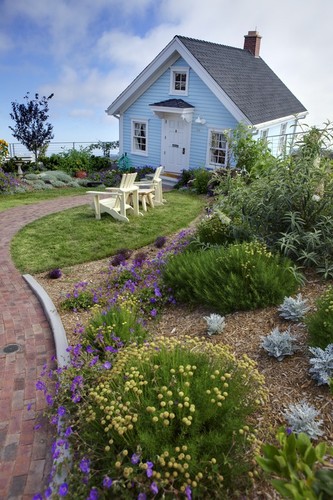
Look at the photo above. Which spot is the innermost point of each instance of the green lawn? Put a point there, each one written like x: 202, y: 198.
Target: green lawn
x: 14, y: 200
x: 74, y: 236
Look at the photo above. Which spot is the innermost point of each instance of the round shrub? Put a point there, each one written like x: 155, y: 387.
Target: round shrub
x: 215, y: 229
x: 170, y: 419
x: 241, y: 276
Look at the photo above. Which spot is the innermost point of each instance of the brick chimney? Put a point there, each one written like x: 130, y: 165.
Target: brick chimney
x: 252, y: 43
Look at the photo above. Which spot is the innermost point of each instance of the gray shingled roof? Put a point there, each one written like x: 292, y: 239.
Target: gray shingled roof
x: 173, y: 103
x: 247, y: 80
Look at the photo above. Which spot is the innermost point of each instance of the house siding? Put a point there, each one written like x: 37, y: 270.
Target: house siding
x: 207, y: 106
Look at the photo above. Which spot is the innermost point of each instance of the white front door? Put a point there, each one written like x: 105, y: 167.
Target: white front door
x: 175, y: 144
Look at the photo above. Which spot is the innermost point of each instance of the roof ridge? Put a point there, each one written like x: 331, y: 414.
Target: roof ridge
x: 207, y: 42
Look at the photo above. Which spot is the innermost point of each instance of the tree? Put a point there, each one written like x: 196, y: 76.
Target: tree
x: 32, y: 129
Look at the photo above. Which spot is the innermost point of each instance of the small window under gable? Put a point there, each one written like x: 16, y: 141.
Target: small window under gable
x: 217, y: 153
x: 140, y: 137
x: 179, y: 81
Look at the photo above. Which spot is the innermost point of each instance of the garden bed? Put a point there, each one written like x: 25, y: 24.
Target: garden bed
x: 288, y: 381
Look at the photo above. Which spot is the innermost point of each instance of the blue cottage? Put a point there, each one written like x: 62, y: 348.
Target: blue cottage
x: 176, y: 111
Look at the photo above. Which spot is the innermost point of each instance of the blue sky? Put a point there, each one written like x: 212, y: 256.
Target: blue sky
x: 87, y: 51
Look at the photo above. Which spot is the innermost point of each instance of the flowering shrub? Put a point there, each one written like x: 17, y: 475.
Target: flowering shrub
x: 3, y: 150
x: 168, y: 418
x: 7, y: 182
x: 113, y: 328
x: 81, y: 298
x: 238, y: 277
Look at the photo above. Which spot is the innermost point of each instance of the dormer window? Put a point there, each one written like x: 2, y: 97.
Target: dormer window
x: 179, y: 81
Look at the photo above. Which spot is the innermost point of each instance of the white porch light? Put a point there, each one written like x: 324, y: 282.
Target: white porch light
x: 201, y: 121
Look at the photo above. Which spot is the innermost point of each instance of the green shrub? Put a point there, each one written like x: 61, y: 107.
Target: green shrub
x: 118, y: 325
x: 201, y: 180
x: 238, y: 277
x: 186, y: 176
x: 216, y: 229
x: 74, y: 160
x: 320, y: 322
x: 80, y: 300
x: 297, y: 467
x: 169, y: 419
x: 290, y: 207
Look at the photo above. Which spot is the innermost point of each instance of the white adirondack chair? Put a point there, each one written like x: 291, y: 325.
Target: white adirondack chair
x: 117, y: 203
x: 151, y: 190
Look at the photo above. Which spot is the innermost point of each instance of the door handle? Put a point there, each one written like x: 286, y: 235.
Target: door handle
x: 183, y: 151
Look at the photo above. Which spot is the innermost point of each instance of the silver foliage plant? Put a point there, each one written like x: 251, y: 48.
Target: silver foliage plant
x: 279, y: 344
x: 215, y: 324
x: 293, y: 309
x: 301, y: 417
x: 322, y: 364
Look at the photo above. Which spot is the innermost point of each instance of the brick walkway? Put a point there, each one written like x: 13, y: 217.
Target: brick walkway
x: 24, y: 452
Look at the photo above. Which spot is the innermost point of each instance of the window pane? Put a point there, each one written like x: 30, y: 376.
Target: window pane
x: 218, y: 148
x: 139, y: 136
x: 180, y: 81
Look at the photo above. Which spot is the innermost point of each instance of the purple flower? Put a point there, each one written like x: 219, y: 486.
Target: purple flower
x: 40, y: 386
x: 142, y: 496
x: 94, y: 361
x: 37, y: 426
x: 61, y: 411
x: 68, y: 431
x: 188, y: 493
x: 154, y: 488
x: 76, y: 398
x: 107, y: 482
x: 153, y: 312
x: 49, y: 400
x: 48, y: 492
x: 29, y: 406
x: 93, y: 495
x: 38, y: 496
x: 107, y: 365
x: 135, y: 458
x: 149, y: 470
x: 63, y: 489
x: 85, y: 465
x: 288, y: 431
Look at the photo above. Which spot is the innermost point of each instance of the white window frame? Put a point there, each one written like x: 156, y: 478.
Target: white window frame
x: 210, y: 148
x: 283, y: 138
x: 179, y: 70
x: 134, y: 149
x: 264, y: 134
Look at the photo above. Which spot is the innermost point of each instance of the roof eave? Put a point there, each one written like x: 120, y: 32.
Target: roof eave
x: 270, y: 123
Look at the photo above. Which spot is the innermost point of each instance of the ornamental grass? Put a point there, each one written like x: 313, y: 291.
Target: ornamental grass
x: 166, y: 419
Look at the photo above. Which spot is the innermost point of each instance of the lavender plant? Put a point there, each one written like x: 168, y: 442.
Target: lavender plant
x: 301, y: 418
x: 54, y: 273
x: 293, y: 309
x: 215, y: 324
x: 322, y: 364
x: 165, y: 418
x: 279, y: 344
